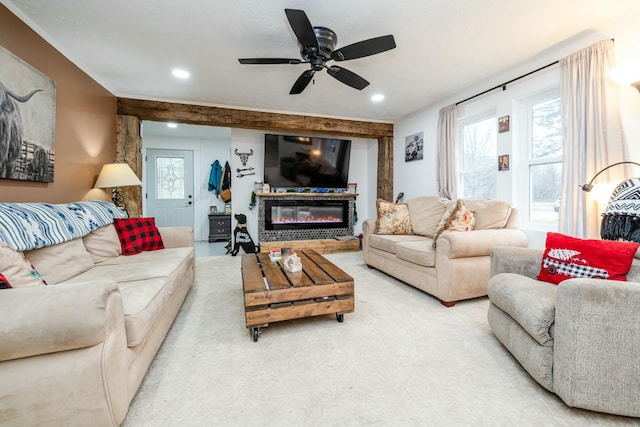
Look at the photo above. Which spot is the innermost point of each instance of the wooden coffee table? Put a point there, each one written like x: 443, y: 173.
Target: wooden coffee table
x: 272, y: 294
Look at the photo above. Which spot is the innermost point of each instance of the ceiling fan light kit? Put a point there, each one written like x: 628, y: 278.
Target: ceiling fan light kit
x: 318, y: 46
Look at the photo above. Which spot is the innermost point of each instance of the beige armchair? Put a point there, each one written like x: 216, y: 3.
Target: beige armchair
x: 579, y: 339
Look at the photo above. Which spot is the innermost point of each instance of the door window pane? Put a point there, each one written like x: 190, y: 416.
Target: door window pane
x: 170, y: 177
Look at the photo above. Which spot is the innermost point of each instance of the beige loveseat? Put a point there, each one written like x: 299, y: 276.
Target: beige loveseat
x: 74, y: 352
x: 458, y: 267
x: 579, y: 339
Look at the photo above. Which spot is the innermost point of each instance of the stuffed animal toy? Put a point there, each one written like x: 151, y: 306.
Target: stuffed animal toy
x: 242, y: 238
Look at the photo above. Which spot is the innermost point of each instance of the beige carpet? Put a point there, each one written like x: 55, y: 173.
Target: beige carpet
x: 401, y: 359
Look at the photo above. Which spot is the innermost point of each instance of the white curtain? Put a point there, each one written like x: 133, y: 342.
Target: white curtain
x: 592, y: 132
x: 447, y: 131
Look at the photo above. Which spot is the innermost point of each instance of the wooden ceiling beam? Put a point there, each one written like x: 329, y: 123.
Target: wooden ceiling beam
x: 248, y: 119
x: 271, y: 122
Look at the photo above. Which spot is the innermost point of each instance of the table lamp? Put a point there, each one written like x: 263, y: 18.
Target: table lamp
x: 117, y: 175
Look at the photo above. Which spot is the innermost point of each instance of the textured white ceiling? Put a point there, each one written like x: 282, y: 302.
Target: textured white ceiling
x: 130, y: 47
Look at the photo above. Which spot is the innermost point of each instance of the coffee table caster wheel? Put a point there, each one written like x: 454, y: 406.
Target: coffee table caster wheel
x: 340, y: 317
x: 255, y: 332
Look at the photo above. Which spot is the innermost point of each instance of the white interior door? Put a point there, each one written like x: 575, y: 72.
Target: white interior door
x: 170, y: 187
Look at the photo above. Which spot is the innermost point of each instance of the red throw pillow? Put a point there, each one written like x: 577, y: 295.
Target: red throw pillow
x: 566, y: 257
x: 137, y: 235
x: 4, y: 283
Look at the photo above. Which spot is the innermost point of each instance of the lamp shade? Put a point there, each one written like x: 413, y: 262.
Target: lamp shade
x: 627, y: 73
x: 601, y: 193
x: 116, y: 175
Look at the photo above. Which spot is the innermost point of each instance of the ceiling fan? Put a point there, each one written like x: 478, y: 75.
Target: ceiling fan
x: 317, y: 47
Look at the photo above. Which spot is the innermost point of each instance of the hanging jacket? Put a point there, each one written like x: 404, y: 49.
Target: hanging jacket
x: 225, y: 183
x: 214, y: 177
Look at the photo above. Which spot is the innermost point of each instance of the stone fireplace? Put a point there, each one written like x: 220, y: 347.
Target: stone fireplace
x: 304, y: 216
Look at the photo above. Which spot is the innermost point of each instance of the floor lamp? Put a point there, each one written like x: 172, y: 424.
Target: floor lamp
x: 115, y: 176
x: 604, y: 190
x: 621, y: 218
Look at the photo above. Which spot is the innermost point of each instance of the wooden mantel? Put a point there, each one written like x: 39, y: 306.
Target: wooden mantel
x: 132, y: 111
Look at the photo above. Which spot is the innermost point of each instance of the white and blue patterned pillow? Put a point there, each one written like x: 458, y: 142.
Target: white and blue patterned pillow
x: 26, y: 226
x: 96, y: 213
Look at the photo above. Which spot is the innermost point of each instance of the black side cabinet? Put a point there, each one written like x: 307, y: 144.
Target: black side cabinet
x: 219, y: 227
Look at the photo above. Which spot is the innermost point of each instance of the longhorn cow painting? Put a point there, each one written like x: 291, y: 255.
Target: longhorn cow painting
x: 27, y: 121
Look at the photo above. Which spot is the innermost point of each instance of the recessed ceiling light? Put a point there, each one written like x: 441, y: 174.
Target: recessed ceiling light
x: 377, y: 97
x: 172, y: 125
x: 181, y: 74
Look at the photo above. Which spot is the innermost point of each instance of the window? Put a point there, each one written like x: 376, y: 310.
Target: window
x: 170, y: 177
x: 478, y: 154
x: 544, y: 159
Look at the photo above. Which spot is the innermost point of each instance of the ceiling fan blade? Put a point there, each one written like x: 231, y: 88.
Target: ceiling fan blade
x: 302, y: 27
x: 302, y: 82
x: 269, y: 61
x: 347, y: 77
x: 364, y: 48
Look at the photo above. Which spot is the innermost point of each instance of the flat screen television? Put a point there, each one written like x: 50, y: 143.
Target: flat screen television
x: 306, y: 161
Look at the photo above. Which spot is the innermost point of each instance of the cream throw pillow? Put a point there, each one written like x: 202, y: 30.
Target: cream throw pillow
x: 458, y: 218
x: 61, y: 262
x: 103, y: 243
x: 426, y: 213
x: 16, y: 271
x: 489, y: 213
x: 393, y: 218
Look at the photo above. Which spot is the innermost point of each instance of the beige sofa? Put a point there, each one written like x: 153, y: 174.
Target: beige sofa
x: 579, y: 339
x: 74, y: 353
x: 459, y: 267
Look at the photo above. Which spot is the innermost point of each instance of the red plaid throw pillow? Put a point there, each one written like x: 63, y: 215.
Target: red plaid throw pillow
x: 137, y: 235
x: 566, y: 257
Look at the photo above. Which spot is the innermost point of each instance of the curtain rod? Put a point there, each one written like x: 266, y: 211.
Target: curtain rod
x: 504, y: 85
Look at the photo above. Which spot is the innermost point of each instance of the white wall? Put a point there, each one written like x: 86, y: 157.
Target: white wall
x: 419, y: 178
x: 206, y: 150
x: 362, y: 170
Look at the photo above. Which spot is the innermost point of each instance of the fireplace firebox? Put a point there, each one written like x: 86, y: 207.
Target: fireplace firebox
x: 304, y: 217
x: 305, y: 214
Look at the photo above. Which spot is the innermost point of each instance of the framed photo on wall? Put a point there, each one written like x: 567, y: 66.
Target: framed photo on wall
x: 413, y: 147
x: 28, y: 100
x: 503, y: 124
x: 503, y: 162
